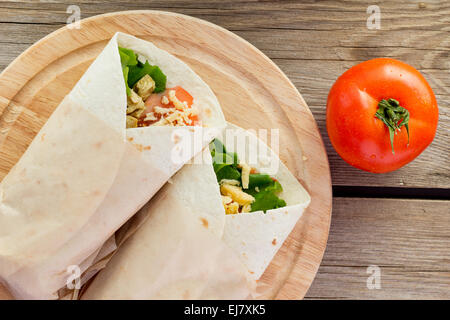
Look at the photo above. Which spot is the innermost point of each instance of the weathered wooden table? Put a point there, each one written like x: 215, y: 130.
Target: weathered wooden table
x: 395, y: 226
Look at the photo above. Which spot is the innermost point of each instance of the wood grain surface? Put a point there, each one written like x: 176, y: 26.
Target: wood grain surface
x: 408, y: 240
x: 313, y: 43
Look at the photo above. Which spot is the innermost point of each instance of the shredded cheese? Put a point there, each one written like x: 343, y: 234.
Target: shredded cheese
x: 226, y: 200
x: 236, y: 194
x: 163, y: 111
x: 245, y: 176
x: 176, y: 102
x: 230, y: 182
x: 232, y: 208
x: 164, y: 100
x: 150, y: 116
x: 161, y: 122
x: 247, y: 208
x: 178, y: 116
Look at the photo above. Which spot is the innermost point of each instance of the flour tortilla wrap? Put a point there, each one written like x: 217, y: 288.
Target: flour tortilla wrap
x: 177, y: 252
x: 168, y: 257
x: 84, y: 175
x: 257, y: 236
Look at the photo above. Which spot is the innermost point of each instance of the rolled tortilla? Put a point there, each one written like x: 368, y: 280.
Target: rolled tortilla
x: 156, y: 261
x: 257, y: 236
x: 84, y: 175
x: 177, y: 252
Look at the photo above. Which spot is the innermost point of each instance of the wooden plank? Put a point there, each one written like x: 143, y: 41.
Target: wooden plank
x: 408, y: 240
x: 297, y: 37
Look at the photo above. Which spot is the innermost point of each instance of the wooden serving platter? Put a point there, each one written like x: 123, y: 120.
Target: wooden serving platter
x: 253, y: 92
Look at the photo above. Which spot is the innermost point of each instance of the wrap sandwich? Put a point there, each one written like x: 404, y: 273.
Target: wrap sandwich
x: 241, y: 194
x: 110, y: 145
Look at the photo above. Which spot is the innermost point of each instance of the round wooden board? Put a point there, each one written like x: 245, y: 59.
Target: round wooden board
x: 253, y: 91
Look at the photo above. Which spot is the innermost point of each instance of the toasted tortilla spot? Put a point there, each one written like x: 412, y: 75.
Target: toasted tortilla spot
x: 99, y: 144
x: 131, y: 139
x: 274, y: 241
x: 140, y: 147
x: 208, y: 112
x: 176, y: 138
x: 43, y: 137
x: 204, y: 222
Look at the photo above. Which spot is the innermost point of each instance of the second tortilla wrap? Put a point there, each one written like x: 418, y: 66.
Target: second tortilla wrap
x: 156, y: 252
x: 177, y: 252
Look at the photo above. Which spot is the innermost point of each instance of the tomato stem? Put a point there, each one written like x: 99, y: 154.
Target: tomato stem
x: 394, y: 117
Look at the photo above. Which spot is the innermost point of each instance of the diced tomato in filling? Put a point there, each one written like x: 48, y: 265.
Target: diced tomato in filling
x: 155, y: 100
x: 183, y: 95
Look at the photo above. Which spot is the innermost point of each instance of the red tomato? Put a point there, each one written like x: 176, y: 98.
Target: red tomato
x: 155, y: 98
x: 183, y: 95
x: 360, y: 137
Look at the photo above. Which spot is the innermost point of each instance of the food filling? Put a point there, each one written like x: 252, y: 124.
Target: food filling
x: 242, y: 187
x: 149, y: 102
